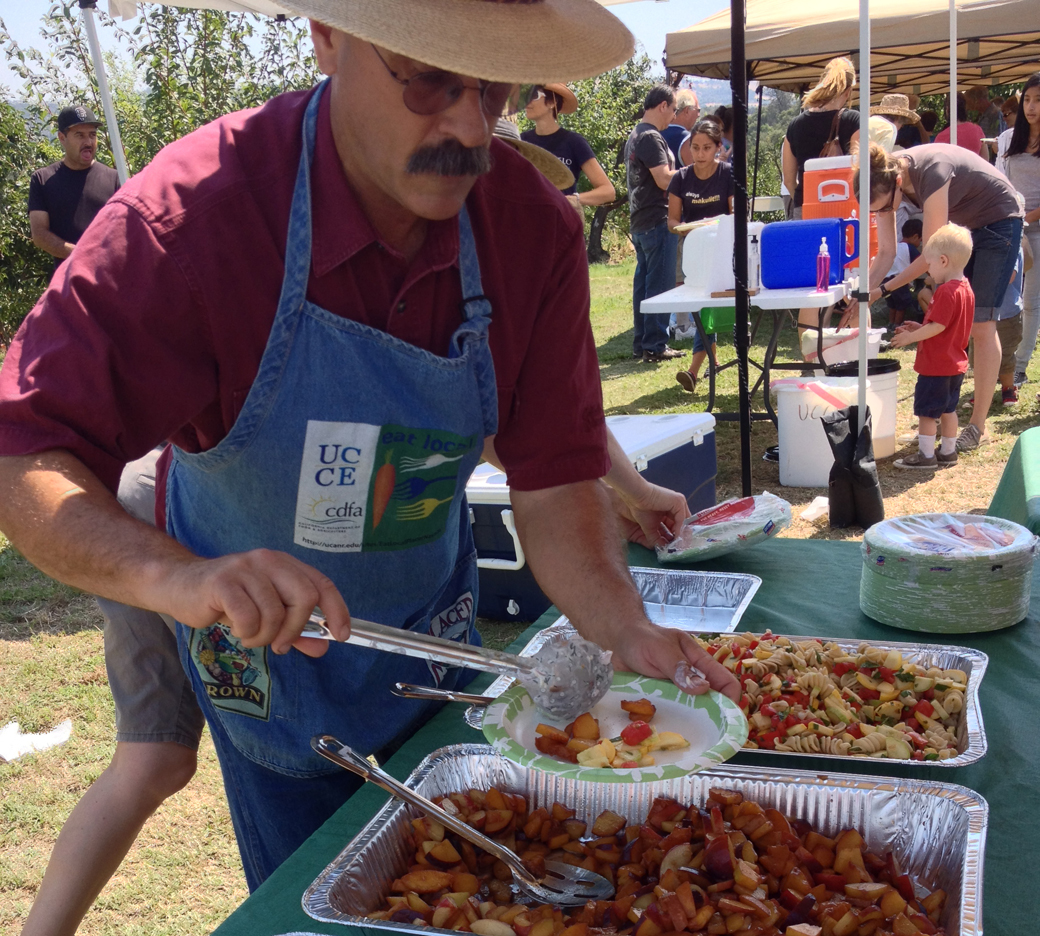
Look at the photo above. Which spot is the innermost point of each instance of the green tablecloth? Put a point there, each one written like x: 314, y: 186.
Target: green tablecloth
x: 808, y: 587
x: 1017, y: 496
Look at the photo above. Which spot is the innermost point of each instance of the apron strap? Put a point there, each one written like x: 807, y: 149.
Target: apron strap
x: 474, y: 302
x: 298, y: 242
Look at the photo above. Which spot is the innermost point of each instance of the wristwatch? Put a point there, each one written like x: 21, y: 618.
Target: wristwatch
x: 883, y: 289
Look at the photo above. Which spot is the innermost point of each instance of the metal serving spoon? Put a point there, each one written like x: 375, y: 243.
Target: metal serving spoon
x: 563, y: 884
x: 567, y: 676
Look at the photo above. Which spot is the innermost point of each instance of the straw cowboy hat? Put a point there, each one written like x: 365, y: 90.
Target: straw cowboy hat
x: 515, y: 41
x: 544, y: 161
x: 570, y: 100
x: 895, y: 105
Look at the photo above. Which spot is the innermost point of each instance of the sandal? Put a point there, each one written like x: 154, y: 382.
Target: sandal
x: 687, y: 381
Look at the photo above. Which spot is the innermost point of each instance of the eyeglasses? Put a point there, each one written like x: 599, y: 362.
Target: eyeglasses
x: 891, y: 202
x: 533, y: 94
x: 431, y: 92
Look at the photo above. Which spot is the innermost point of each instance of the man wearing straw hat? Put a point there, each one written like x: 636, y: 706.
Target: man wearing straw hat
x: 892, y: 114
x: 332, y: 306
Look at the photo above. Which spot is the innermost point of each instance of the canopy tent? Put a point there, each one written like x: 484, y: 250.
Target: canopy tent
x: 788, y: 43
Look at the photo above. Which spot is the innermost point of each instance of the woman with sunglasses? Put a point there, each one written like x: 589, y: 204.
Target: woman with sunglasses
x: 544, y: 105
x: 1023, y: 169
x: 949, y: 183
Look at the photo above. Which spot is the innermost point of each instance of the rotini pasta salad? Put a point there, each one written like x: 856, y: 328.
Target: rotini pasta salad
x: 814, y: 697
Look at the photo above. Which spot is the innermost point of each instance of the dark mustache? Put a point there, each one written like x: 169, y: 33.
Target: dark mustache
x: 450, y: 158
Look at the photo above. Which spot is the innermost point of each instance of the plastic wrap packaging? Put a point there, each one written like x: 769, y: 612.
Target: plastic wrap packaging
x: 947, y: 573
x: 734, y: 524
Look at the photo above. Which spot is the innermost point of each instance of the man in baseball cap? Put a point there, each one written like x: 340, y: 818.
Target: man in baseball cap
x: 332, y: 307
x: 65, y: 196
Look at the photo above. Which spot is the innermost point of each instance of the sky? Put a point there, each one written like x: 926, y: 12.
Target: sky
x: 649, y: 20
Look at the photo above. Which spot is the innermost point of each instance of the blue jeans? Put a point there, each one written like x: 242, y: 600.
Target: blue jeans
x: 656, y: 252
x: 994, y: 255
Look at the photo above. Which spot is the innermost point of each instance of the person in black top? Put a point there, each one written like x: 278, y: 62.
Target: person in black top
x: 824, y: 110
x: 65, y: 196
x: 703, y: 189
x: 545, y: 104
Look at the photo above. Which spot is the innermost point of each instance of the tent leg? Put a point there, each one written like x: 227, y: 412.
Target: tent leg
x: 758, y: 142
x: 86, y: 8
x: 738, y: 86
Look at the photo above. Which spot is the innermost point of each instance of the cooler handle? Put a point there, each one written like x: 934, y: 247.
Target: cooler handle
x: 854, y: 224
x: 506, y: 565
x: 840, y: 193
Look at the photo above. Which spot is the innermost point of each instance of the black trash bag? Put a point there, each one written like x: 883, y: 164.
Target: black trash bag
x: 854, y: 494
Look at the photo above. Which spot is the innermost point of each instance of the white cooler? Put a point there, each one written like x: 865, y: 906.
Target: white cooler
x: 675, y: 450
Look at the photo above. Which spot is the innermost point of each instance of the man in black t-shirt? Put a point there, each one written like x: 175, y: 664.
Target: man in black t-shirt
x: 649, y: 169
x: 65, y: 196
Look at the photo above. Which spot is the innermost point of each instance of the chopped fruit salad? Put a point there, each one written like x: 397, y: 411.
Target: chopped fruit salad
x: 580, y: 743
x: 725, y: 865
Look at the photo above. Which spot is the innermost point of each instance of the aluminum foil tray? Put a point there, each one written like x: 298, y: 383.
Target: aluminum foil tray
x: 970, y: 730
x: 936, y: 830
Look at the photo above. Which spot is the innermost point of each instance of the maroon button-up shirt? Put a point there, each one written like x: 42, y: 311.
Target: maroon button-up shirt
x: 154, y: 328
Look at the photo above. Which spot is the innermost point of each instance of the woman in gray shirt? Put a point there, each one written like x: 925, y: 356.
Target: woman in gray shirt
x: 949, y: 183
x: 1023, y: 168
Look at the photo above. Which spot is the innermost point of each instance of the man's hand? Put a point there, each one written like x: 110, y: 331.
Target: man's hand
x: 264, y: 596
x: 658, y: 651
x: 653, y: 518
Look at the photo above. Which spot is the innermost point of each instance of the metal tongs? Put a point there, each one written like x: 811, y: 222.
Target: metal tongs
x: 562, y: 884
x: 563, y: 693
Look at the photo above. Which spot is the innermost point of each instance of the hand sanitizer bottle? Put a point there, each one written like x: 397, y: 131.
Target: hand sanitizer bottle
x: 823, y: 267
x: 754, y: 265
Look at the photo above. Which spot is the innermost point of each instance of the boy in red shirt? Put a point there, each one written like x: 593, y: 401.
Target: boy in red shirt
x: 941, y: 342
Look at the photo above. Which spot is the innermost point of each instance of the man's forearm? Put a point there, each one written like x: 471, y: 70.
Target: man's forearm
x: 49, y: 242
x: 64, y: 520
x: 575, y: 551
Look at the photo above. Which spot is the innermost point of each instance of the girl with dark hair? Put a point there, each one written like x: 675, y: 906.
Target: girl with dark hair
x: 950, y: 184
x: 1023, y: 169
x: 703, y: 189
x: 544, y: 105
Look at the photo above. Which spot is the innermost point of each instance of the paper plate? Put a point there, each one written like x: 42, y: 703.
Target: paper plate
x: 713, y: 724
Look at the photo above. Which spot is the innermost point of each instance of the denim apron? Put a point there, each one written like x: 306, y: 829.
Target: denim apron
x: 351, y: 453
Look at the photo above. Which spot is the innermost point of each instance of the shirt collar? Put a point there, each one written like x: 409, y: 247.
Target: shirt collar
x: 340, y: 226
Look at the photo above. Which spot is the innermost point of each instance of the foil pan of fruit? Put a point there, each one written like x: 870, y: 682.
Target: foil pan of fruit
x: 733, y: 849
x: 702, y: 602
x: 848, y: 699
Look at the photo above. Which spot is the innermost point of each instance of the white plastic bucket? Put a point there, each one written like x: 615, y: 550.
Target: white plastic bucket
x: 840, y: 345
x: 805, y: 455
x: 882, y: 398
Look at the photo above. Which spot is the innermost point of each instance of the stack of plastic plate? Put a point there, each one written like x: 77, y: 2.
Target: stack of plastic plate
x: 947, y: 573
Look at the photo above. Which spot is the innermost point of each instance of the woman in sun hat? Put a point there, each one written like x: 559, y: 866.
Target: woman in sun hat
x: 894, y: 110
x: 544, y: 105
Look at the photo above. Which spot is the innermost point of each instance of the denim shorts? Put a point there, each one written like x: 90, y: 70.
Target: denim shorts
x: 934, y: 396
x: 154, y: 698
x: 994, y: 254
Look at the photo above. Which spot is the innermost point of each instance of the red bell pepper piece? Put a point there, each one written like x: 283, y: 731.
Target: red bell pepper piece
x: 854, y: 730
x: 840, y: 669
x: 768, y: 740
x: 868, y: 694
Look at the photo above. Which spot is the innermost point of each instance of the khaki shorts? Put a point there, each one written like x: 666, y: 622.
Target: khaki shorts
x: 1010, y: 333
x: 153, y: 696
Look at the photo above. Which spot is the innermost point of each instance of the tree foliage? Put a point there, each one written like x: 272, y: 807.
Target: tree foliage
x: 175, y: 71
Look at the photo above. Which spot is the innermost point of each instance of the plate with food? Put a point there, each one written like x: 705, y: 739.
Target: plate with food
x: 642, y: 730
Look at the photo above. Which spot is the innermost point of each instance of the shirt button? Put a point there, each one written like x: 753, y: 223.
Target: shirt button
x: 401, y: 306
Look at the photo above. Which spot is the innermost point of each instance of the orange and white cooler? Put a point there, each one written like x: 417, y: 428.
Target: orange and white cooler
x: 827, y: 192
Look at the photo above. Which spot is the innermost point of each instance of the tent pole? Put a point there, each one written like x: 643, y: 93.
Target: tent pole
x: 738, y: 86
x: 953, y: 72
x: 758, y: 142
x: 864, y: 203
x: 86, y: 8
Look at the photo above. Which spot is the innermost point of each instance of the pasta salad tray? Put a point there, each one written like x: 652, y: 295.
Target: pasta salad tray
x: 852, y: 699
